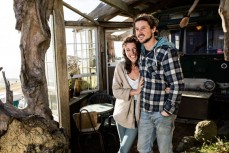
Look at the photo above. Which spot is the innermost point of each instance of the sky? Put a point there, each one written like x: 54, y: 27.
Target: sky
x: 10, y: 56
x: 85, y: 6
x: 9, y: 44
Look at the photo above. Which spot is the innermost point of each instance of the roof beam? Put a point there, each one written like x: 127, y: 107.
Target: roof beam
x: 102, y: 24
x: 80, y: 13
x: 122, y: 6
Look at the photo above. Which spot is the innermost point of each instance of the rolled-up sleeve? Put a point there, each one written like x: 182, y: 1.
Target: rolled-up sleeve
x: 175, y: 80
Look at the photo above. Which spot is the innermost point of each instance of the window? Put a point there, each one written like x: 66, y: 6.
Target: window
x: 215, y: 39
x: 50, y: 71
x: 204, y: 39
x: 82, y: 57
x: 174, y: 36
x: 114, y: 39
x: 10, y: 60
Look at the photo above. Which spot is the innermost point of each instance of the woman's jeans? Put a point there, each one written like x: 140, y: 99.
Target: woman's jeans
x: 127, y: 137
x: 154, y: 126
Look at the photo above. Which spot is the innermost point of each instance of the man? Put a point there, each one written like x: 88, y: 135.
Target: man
x: 160, y: 67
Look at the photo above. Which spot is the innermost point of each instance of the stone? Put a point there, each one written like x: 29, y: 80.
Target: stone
x: 186, y: 143
x: 205, y: 131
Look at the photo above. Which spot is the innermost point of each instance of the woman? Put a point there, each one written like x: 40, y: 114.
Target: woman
x: 126, y: 88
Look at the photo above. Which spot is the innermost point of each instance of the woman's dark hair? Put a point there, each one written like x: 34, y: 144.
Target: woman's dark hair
x: 150, y: 19
x: 130, y: 39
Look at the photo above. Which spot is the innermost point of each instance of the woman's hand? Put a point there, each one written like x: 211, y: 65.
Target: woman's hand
x: 167, y: 90
x: 140, y: 85
x: 139, y: 89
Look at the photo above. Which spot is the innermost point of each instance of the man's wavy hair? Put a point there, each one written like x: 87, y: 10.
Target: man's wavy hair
x: 150, y: 19
x: 131, y: 39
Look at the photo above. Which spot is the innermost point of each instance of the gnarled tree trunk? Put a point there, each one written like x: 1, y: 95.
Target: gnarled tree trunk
x: 32, y: 16
x: 31, y: 129
x: 224, y: 14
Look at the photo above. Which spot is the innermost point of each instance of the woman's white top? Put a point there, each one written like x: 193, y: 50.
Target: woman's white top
x: 133, y: 84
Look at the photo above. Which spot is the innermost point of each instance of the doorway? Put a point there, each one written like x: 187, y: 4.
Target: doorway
x: 114, y: 39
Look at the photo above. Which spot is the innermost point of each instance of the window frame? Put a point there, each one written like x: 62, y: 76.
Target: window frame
x: 87, y: 39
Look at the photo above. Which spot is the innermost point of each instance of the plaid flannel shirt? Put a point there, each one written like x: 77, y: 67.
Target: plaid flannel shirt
x: 161, y: 68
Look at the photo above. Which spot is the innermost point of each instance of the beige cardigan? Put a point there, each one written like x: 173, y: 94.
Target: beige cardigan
x: 124, y: 105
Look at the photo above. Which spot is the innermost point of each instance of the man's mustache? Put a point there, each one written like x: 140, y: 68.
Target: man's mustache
x: 141, y: 35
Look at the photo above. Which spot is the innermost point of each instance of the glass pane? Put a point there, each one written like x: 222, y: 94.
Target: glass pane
x: 207, y: 39
x: 70, y: 49
x: 78, y: 47
x: 53, y: 103
x: 84, y: 49
x: 215, y: 40
x: 69, y: 35
x: 196, y: 42
x: 51, y: 77
x: 114, y: 39
x: 82, y: 63
x: 118, y: 51
x: 89, y: 83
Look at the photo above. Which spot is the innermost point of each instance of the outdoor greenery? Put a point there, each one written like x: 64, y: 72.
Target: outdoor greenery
x: 220, y: 146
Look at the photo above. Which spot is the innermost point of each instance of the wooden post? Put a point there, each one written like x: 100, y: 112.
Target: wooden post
x: 102, y: 58
x: 61, y: 65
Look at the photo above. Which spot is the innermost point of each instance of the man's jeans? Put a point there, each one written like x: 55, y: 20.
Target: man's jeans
x: 154, y: 126
x: 127, y: 137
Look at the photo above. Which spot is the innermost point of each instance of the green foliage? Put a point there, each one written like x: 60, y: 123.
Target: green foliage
x: 220, y: 146
x: 70, y: 84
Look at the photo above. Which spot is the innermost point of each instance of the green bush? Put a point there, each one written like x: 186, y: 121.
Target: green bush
x: 220, y: 146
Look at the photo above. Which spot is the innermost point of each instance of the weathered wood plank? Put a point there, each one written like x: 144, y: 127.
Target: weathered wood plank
x: 102, y: 24
x: 122, y: 6
x: 102, y: 58
x: 61, y: 65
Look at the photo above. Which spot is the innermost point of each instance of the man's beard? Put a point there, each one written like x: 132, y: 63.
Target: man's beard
x: 147, y: 39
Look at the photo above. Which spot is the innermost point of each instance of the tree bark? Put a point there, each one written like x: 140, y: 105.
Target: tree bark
x: 31, y: 129
x: 32, y: 20
x: 224, y: 14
